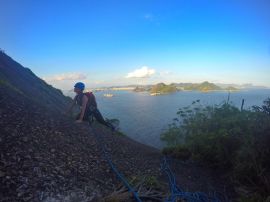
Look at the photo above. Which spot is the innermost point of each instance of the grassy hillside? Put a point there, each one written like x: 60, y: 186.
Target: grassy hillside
x: 163, y: 88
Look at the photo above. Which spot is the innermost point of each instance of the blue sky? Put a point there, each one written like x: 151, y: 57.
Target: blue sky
x: 102, y: 42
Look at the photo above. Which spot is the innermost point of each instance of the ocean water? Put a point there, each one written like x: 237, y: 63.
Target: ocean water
x: 144, y: 117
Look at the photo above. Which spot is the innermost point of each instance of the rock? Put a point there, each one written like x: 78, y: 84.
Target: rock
x: 25, y: 139
x: 2, y: 174
x: 52, y: 150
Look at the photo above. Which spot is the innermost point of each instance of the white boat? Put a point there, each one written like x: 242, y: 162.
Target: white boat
x: 108, y: 95
x: 154, y: 94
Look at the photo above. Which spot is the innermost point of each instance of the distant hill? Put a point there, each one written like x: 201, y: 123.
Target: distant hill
x: 163, y: 88
x: 173, y: 87
x: 241, y: 86
x: 204, y: 87
x: 159, y: 88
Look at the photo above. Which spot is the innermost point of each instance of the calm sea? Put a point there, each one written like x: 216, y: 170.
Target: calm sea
x: 144, y: 117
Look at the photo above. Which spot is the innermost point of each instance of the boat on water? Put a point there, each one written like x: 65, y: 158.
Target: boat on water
x: 154, y: 94
x: 108, y: 95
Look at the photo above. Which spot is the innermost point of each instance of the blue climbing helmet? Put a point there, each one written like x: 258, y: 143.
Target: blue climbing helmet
x: 79, y: 85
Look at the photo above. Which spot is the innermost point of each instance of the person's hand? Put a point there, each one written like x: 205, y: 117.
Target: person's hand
x: 78, y: 121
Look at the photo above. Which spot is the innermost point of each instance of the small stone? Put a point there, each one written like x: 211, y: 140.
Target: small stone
x: 2, y: 174
x: 28, y: 198
x: 25, y: 139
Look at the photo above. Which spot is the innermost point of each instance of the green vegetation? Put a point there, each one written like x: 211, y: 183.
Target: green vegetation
x: 2, y: 82
x: 116, y: 123
x: 119, y: 133
x: 159, y: 88
x: 163, y: 88
x: 179, y: 152
x: 7, y: 84
x: 205, y: 86
x: 226, y: 138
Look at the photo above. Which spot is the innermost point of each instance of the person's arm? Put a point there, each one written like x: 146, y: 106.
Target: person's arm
x: 71, y: 106
x: 84, y: 103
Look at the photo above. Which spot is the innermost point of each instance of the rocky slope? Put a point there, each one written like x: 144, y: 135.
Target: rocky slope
x: 24, y: 82
x: 45, y: 156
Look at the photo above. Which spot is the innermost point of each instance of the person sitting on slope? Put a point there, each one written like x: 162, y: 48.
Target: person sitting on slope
x: 88, y: 106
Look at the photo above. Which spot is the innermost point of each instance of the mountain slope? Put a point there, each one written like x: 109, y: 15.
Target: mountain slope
x: 21, y: 80
x: 44, y: 156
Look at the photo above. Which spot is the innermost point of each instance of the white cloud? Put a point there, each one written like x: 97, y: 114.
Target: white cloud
x: 66, y: 76
x: 143, y: 72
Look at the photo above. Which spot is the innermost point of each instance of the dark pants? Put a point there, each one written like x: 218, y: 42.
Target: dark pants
x: 90, y: 113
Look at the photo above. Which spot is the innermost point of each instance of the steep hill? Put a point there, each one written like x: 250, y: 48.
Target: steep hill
x: 25, y: 83
x: 45, y: 156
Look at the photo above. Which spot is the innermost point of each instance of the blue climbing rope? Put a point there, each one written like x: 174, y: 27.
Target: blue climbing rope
x: 177, y: 193
x: 113, y: 167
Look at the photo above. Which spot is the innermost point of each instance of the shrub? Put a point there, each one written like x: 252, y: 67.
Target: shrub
x: 222, y: 136
x: 179, y: 152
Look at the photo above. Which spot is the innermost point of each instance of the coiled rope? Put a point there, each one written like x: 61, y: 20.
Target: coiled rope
x: 177, y: 193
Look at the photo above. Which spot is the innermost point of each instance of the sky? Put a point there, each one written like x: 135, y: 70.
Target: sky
x: 122, y: 42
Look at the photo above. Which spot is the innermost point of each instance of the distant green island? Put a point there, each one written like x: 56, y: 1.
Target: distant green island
x: 162, y: 88
x: 204, y: 87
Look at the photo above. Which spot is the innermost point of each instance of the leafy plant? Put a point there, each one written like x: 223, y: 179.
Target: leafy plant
x: 222, y: 136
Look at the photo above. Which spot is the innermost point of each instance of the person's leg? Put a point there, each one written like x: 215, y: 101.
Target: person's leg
x: 88, y: 116
x: 101, y: 120
x: 78, y: 116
